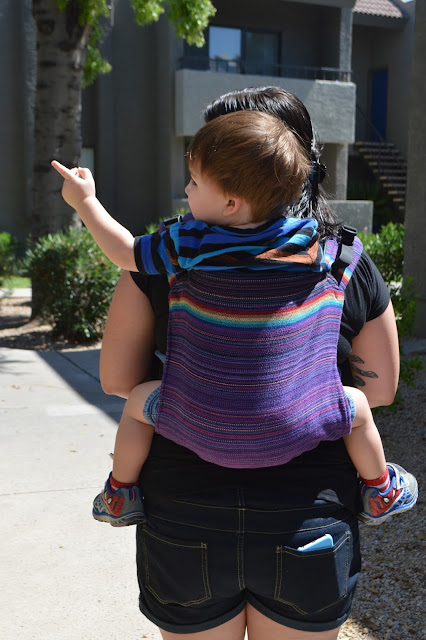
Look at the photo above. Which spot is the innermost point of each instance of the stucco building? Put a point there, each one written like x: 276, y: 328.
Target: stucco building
x: 138, y: 119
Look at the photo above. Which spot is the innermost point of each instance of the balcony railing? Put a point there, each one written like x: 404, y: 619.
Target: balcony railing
x: 220, y: 65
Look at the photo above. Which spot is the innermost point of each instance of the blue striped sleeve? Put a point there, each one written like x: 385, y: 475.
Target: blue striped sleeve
x: 152, y: 256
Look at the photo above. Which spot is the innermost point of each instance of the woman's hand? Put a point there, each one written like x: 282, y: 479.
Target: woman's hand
x: 78, y: 184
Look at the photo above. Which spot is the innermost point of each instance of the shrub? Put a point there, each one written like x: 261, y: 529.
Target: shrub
x: 9, y: 265
x: 387, y: 251
x: 74, y: 282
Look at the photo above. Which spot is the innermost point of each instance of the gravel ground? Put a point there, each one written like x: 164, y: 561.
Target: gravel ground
x: 390, y: 599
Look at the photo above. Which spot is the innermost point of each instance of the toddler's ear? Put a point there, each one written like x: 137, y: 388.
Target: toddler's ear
x: 232, y: 206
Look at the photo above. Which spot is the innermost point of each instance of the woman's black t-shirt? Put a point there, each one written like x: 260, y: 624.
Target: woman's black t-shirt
x: 326, y: 472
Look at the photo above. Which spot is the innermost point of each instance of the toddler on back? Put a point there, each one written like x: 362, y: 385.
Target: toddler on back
x: 243, y: 279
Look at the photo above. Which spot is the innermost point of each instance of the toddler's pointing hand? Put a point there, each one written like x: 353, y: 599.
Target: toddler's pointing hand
x: 78, y: 184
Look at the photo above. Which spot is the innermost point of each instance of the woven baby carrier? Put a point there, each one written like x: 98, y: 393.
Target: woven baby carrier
x: 251, y: 378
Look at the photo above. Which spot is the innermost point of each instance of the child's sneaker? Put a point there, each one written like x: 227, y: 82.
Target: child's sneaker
x: 120, y: 508
x: 401, y: 496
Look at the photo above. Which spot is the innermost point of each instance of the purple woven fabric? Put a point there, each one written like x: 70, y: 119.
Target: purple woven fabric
x: 250, y: 378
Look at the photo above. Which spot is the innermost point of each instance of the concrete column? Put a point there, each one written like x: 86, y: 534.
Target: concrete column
x: 345, y: 41
x: 415, y: 213
x: 335, y: 156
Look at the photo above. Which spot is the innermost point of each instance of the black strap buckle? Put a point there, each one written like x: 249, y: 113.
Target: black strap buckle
x: 345, y: 253
x: 169, y: 221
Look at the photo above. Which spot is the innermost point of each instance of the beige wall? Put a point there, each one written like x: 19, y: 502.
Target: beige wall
x: 415, y: 215
x: 331, y: 104
x: 386, y: 48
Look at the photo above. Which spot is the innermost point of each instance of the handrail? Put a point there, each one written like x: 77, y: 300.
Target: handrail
x: 368, y: 122
x: 374, y: 129
x: 264, y: 68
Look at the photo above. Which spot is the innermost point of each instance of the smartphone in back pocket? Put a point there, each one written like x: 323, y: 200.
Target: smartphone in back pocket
x: 325, y: 542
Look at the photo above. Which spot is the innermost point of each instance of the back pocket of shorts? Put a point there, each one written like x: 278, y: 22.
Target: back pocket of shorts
x: 175, y: 572
x: 312, y: 581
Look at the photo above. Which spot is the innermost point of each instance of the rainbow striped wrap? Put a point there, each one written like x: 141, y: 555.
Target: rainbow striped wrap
x: 250, y: 377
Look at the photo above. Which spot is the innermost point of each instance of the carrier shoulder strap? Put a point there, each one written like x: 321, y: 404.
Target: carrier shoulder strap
x: 345, y: 251
x: 169, y: 221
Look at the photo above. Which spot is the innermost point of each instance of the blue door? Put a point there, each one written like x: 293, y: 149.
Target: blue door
x: 379, y: 99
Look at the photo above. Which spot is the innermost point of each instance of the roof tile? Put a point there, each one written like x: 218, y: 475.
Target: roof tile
x: 378, y: 8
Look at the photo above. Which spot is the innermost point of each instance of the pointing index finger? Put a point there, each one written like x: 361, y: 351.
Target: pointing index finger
x: 60, y: 168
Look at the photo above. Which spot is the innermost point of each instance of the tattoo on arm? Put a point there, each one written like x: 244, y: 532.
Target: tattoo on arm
x: 358, y: 373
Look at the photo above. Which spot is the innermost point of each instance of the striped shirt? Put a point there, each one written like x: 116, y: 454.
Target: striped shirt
x: 285, y: 243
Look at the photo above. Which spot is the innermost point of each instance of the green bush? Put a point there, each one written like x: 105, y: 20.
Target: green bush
x: 387, y: 251
x: 9, y: 265
x: 74, y: 283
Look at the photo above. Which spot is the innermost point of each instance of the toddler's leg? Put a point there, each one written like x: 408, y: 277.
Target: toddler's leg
x: 121, y: 502
x: 364, y: 444
x: 134, y: 436
x: 385, y: 488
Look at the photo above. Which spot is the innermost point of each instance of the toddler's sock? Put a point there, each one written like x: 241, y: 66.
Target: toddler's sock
x: 382, y: 483
x: 116, y: 484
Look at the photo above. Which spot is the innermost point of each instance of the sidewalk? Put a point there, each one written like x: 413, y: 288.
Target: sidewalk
x: 64, y: 575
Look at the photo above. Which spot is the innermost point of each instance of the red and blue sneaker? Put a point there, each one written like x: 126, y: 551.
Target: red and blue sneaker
x: 120, y: 508
x: 400, y: 496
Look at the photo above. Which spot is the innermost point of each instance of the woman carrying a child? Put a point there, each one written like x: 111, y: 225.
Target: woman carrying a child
x: 226, y: 548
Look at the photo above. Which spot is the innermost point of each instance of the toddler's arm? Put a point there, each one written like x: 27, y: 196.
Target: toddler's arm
x: 79, y: 192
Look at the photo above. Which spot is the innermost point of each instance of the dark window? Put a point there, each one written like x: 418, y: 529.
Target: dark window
x: 234, y: 50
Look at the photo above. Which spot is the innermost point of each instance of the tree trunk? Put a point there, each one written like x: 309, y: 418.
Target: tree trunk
x: 61, y: 53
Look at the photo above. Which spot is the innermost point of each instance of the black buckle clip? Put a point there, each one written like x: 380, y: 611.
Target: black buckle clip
x: 169, y: 221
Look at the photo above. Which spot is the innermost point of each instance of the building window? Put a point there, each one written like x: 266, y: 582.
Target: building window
x: 261, y: 53
x: 233, y: 50
x: 225, y: 49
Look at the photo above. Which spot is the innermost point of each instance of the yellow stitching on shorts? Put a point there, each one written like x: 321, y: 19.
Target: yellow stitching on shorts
x: 240, y: 541
x: 205, y: 506
x: 280, y: 552
x: 203, y: 548
x: 306, y: 508
x: 199, y: 526
x: 278, y: 576
x: 325, y: 526
x: 205, y: 570
x: 175, y: 544
x: 181, y: 604
x: 145, y: 554
x: 196, y: 526
x: 208, y: 506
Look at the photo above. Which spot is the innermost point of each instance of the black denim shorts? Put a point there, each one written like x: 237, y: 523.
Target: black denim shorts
x: 207, y: 551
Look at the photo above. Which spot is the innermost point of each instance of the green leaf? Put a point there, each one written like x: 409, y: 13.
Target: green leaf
x: 147, y: 11
x: 190, y: 18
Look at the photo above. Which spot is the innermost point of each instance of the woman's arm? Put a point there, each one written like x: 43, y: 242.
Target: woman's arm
x: 375, y: 359
x: 128, y: 341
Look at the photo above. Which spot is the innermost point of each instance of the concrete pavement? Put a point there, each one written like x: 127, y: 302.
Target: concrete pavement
x: 64, y: 576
